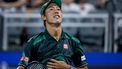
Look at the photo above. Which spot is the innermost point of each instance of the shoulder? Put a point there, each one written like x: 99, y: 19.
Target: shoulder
x: 36, y: 38
x: 71, y: 37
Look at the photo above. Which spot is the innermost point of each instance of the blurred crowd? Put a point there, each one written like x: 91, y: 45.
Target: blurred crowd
x: 82, y: 7
x: 19, y: 5
x: 69, y: 6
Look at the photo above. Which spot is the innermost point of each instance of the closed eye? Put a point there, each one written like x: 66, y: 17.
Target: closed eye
x: 51, y: 9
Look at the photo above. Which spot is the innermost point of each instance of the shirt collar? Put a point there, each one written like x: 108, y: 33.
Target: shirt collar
x: 48, y: 36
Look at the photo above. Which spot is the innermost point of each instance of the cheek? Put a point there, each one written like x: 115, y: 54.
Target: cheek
x: 48, y: 16
x: 49, y: 13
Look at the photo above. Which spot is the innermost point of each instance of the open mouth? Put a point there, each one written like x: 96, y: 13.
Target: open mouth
x: 56, y: 16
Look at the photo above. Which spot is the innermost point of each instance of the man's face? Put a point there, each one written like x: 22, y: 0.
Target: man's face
x: 53, y: 14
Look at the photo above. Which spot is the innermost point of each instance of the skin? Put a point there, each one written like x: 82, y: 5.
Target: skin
x: 19, y: 3
x: 36, y: 3
x: 53, y: 19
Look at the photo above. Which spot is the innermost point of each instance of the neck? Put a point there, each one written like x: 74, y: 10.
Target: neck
x: 54, y: 30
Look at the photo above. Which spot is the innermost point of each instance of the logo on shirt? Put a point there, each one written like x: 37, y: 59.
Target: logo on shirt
x: 83, y: 58
x: 65, y: 46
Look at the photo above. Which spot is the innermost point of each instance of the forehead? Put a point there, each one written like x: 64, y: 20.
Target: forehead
x: 53, y: 5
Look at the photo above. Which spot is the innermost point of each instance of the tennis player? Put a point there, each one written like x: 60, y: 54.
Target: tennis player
x: 54, y: 48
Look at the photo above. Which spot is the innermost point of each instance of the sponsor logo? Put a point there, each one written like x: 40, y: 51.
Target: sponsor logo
x: 65, y: 46
x: 83, y: 58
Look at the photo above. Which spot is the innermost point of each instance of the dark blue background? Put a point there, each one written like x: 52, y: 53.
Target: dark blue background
x: 93, y: 59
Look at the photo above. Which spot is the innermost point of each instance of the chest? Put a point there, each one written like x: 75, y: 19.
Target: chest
x: 51, y: 48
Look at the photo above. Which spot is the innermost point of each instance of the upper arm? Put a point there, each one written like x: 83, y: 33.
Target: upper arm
x: 19, y: 3
x: 22, y: 1
x: 79, y: 58
x: 26, y: 54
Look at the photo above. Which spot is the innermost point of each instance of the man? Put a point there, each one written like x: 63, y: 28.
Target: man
x: 54, y: 48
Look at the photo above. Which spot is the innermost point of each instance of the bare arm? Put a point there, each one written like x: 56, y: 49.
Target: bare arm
x: 36, y: 3
x: 19, y: 3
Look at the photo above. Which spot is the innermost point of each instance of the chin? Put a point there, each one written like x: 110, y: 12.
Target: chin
x: 56, y: 22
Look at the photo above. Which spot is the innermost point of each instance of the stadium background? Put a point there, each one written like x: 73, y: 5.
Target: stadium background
x: 98, y: 28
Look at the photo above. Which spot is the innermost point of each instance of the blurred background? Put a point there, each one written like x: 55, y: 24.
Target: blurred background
x: 96, y: 23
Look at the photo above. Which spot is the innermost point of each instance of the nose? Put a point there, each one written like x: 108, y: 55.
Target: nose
x: 56, y: 11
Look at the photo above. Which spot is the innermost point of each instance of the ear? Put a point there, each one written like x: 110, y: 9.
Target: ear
x: 43, y: 17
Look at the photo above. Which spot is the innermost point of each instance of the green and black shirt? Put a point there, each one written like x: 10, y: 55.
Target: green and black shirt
x: 44, y: 47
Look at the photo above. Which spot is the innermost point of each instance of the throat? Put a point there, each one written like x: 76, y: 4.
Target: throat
x: 57, y: 31
x: 54, y: 30
x: 56, y: 34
